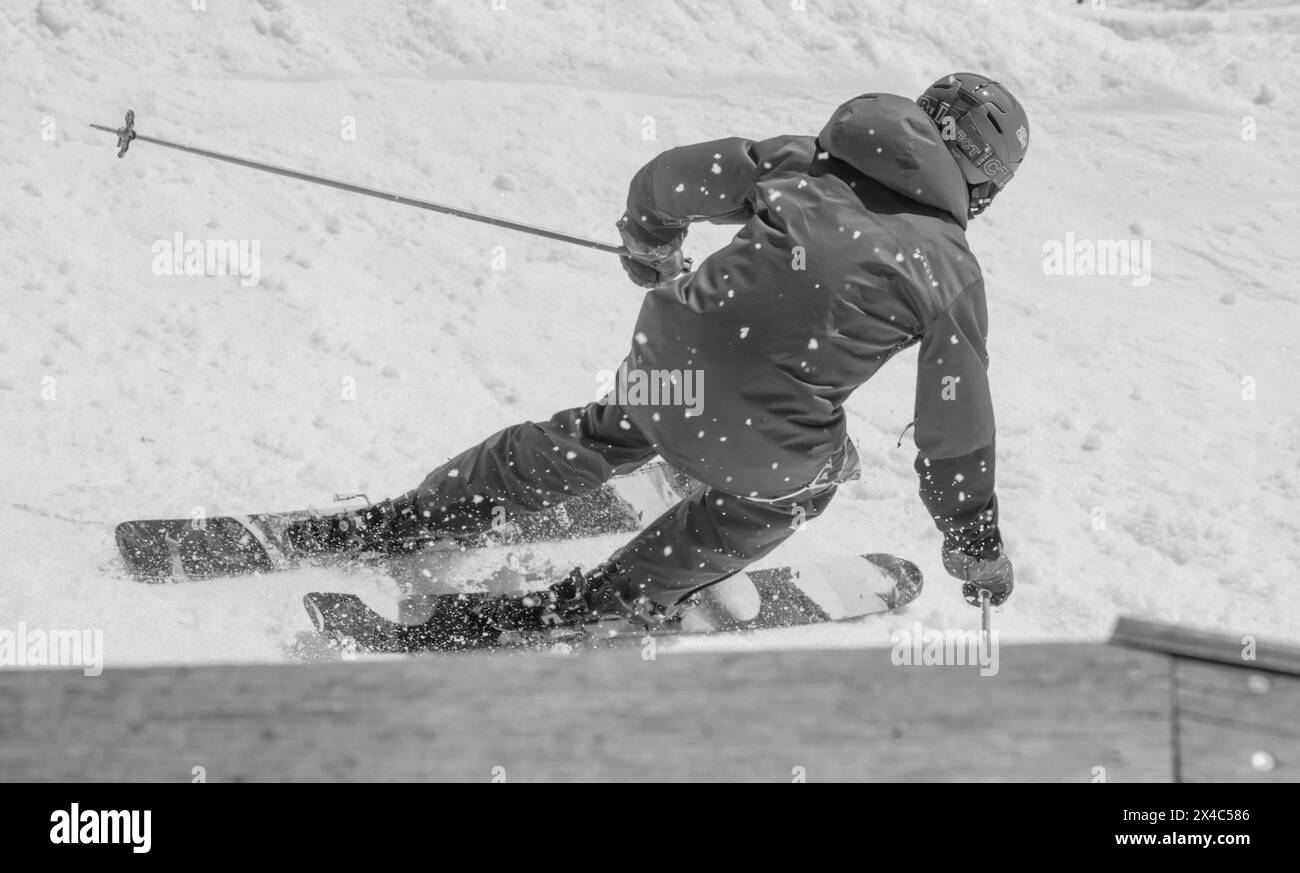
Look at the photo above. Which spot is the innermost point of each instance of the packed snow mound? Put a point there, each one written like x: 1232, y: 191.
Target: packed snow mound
x: 1041, y: 50
x: 1149, y: 439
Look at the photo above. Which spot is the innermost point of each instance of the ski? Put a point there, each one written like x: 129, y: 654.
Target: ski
x: 823, y: 592
x: 180, y: 549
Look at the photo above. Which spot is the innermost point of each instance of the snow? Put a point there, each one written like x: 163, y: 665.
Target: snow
x: 1149, y: 439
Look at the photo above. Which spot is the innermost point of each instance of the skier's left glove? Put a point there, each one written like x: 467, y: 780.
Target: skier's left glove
x: 991, y: 574
x: 649, y: 264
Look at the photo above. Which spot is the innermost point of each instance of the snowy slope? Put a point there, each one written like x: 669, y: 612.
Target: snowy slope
x: 126, y: 394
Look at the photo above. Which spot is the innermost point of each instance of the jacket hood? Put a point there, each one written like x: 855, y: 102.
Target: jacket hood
x: 891, y: 139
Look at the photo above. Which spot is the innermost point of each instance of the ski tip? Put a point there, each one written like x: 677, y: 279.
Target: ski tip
x: 144, y: 551
x: 314, y: 612
x: 908, y: 578
x: 330, y: 610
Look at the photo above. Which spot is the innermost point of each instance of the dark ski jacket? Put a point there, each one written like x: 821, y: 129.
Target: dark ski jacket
x: 852, y: 247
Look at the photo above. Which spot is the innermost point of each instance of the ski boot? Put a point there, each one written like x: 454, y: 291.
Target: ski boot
x: 581, y: 602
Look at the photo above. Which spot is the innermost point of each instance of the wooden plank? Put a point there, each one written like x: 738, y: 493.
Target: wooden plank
x: 1051, y: 713
x: 1237, y: 725
x: 1225, y: 753
x: 1205, y: 646
x: 1269, y: 702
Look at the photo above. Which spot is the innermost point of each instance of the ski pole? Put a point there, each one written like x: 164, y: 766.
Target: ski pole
x: 986, y: 614
x: 127, y: 133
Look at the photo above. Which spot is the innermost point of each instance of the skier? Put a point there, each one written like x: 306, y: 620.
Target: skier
x: 851, y: 248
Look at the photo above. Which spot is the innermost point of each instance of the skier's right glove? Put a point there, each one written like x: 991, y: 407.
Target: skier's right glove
x: 648, y: 264
x: 990, y: 574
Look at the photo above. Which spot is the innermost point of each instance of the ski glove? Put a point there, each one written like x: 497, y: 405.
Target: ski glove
x: 993, y: 575
x: 649, y: 265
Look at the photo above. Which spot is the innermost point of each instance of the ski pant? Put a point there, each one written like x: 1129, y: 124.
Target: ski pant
x: 531, y: 467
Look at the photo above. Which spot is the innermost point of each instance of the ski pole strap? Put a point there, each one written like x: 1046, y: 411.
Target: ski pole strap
x: 127, y: 133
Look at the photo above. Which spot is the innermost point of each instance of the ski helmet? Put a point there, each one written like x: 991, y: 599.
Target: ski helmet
x: 985, y: 129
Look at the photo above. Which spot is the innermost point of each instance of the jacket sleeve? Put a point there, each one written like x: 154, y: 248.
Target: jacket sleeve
x: 955, y: 428
x: 711, y: 181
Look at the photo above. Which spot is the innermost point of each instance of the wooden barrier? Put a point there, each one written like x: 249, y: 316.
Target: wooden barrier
x: 1051, y: 713
x: 1073, y: 712
x: 1236, y: 702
